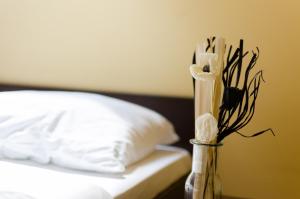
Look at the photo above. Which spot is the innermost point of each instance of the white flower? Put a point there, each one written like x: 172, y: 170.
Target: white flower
x: 206, y: 128
x: 205, y: 59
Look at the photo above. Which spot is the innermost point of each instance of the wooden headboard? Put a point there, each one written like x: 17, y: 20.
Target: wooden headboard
x: 180, y: 111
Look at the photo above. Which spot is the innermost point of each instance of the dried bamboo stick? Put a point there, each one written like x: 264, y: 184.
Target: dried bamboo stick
x: 207, y: 100
x: 203, y: 104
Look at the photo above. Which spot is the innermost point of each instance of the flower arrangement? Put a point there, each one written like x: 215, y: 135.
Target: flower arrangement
x: 225, y: 94
x: 227, y: 87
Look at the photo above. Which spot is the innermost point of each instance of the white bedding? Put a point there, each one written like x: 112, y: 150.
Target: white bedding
x: 79, y: 130
x: 13, y: 195
x: 144, y: 179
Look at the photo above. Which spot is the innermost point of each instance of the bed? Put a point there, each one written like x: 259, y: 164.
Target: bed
x: 159, y: 175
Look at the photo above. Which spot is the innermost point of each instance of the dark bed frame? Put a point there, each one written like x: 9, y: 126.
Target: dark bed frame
x: 180, y: 111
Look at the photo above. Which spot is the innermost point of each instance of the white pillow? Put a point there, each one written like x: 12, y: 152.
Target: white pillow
x: 79, y: 130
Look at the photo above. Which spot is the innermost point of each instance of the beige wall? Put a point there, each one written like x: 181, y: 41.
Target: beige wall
x: 146, y: 46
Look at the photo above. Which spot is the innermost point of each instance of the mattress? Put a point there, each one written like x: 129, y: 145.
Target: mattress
x: 144, y: 179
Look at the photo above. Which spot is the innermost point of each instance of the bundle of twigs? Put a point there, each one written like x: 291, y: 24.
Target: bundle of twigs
x: 225, y: 94
x: 239, y: 98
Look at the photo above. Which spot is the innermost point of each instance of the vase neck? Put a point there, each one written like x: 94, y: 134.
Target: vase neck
x: 203, y: 157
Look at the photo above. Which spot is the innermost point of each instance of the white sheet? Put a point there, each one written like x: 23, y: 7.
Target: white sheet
x: 13, y: 195
x: 144, y: 179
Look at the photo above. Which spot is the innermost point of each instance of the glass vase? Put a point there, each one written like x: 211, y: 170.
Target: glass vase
x: 204, y: 181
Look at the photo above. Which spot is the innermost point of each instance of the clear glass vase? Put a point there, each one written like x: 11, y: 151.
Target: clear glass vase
x: 204, y: 181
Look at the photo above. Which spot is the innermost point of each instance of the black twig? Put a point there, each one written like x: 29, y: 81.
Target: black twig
x: 238, y: 104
